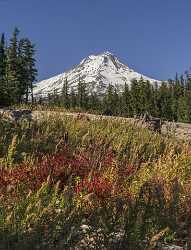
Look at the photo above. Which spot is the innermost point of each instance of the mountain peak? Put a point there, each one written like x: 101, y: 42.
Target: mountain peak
x: 107, y: 53
x: 100, y: 55
x: 98, y: 71
x: 102, y: 60
x: 104, y: 53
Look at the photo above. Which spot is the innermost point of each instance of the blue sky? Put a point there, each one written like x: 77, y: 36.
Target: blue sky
x: 151, y: 36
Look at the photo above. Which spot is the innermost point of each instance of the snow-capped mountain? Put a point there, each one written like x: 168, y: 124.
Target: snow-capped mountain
x: 98, y: 71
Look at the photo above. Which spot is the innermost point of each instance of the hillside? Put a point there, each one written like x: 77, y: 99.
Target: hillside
x: 76, y: 183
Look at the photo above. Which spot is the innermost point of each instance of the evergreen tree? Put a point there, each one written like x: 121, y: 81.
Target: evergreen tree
x: 145, y: 97
x: 187, y: 93
x: 116, y: 103
x: 135, y: 96
x: 55, y: 98
x: 94, y: 102
x: 183, y: 114
x: 82, y: 96
x: 3, y: 86
x: 73, y: 99
x: 188, y: 81
x: 27, y: 70
x: 155, y: 108
x: 65, y: 95
x: 13, y: 68
x: 17, y: 70
x: 108, y: 103
x: 126, y: 101
x: 165, y: 102
x: 177, y: 91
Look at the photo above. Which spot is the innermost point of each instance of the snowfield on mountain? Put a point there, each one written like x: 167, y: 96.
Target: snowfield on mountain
x: 98, y: 71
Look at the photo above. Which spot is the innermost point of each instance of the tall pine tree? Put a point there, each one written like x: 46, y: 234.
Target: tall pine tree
x: 82, y: 95
x: 13, y: 68
x: 65, y: 95
x: 3, y: 84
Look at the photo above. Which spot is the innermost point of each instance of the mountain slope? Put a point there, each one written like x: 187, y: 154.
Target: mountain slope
x: 98, y: 71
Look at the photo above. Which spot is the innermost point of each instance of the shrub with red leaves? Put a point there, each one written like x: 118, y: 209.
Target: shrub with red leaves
x: 59, y: 167
x: 96, y: 184
x: 126, y: 171
x: 108, y: 159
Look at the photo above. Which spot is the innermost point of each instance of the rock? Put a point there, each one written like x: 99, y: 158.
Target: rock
x: 158, y: 237
x: 85, y: 228
x: 16, y: 115
x: 172, y: 247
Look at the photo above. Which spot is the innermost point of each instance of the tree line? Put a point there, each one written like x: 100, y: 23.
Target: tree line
x: 17, y: 70
x: 170, y: 100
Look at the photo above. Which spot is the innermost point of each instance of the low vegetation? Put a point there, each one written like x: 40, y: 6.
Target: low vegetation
x: 71, y: 183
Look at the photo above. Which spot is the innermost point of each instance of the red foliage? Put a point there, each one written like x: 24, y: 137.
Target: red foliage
x: 64, y: 168
x: 60, y: 167
x: 96, y: 184
x: 108, y: 159
x: 127, y: 171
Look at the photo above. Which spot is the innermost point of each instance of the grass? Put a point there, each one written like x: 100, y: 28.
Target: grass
x: 124, y: 184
